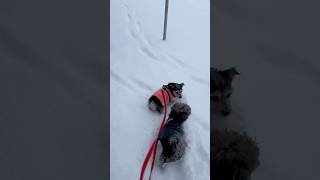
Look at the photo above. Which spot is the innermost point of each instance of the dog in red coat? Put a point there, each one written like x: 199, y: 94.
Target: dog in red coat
x: 171, y: 91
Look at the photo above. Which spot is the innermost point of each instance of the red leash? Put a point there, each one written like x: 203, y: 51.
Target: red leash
x: 153, y: 147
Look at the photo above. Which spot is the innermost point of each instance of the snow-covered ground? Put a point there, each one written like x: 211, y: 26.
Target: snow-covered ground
x: 277, y: 95
x: 141, y: 62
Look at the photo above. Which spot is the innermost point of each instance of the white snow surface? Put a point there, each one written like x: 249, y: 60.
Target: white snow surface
x: 276, y: 96
x: 141, y: 62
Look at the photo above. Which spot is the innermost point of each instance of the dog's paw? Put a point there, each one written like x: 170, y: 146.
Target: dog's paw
x: 162, y: 163
x: 152, y: 106
x: 162, y: 166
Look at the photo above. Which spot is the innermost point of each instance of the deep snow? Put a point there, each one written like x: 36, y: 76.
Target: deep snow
x: 140, y: 64
x: 274, y: 45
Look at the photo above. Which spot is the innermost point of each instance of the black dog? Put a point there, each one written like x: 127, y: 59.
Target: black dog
x: 172, y: 135
x: 234, y: 156
x: 171, y: 92
x: 221, y: 89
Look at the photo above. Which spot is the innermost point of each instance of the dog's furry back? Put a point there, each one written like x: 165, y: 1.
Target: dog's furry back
x: 172, y: 136
x: 234, y: 156
x: 180, y: 112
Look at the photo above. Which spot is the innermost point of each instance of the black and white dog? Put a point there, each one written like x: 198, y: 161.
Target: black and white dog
x: 172, y: 136
x: 233, y: 155
x: 221, y: 89
x: 171, y: 91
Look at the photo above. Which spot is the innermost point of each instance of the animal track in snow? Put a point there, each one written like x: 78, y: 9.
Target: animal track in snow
x: 121, y: 81
x: 142, y: 84
x: 135, y: 34
x: 178, y: 61
x: 148, y: 53
x: 202, y: 125
x: 144, y: 46
x: 199, y: 80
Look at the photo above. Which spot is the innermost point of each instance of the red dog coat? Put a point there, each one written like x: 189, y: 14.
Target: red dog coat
x: 167, y: 95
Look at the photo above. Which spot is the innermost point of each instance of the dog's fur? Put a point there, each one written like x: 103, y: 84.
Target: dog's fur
x: 174, y: 88
x: 234, y: 156
x: 221, y: 89
x: 172, y: 136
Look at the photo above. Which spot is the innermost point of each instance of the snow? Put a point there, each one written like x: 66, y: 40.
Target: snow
x: 276, y: 97
x: 141, y: 62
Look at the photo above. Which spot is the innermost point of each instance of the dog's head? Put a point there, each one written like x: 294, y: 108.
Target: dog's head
x: 175, y: 89
x: 221, y: 89
x: 234, y: 156
x: 180, y: 112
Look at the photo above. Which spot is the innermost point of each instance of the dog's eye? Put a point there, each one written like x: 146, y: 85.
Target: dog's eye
x: 228, y: 95
x: 173, y: 87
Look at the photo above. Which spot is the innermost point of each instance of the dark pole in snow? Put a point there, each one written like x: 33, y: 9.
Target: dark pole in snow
x: 165, y: 20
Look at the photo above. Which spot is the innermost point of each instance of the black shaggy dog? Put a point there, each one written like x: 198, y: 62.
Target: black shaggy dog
x: 172, y: 136
x: 234, y: 156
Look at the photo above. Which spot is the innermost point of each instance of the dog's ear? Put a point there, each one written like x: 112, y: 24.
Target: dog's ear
x: 231, y: 72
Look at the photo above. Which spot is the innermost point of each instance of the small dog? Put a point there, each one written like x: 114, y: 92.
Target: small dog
x: 221, y: 89
x: 171, y: 92
x: 234, y: 156
x: 172, y: 136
